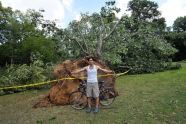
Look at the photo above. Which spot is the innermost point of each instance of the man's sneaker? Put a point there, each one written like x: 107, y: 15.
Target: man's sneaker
x: 88, y: 110
x: 96, y: 110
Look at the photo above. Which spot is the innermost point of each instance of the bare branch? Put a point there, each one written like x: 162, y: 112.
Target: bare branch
x: 76, y: 40
x: 100, y: 42
x: 86, y: 46
x: 103, y: 24
x: 112, y: 30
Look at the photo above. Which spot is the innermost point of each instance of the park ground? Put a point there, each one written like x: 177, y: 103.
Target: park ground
x: 158, y: 98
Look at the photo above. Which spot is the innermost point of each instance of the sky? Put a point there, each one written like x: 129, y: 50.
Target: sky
x: 64, y: 11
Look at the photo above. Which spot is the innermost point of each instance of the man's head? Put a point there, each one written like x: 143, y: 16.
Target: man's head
x: 90, y: 61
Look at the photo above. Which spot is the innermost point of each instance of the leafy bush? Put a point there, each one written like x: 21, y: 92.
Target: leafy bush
x: 174, y: 66
x: 178, y: 40
x: 25, y: 74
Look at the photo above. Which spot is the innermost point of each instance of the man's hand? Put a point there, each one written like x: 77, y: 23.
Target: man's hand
x: 104, y: 70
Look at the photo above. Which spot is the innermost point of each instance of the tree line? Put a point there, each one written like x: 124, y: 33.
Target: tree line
x: 141, y: 41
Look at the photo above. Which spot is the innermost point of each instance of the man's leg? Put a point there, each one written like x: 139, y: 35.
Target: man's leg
x: 97, y: 105
x: 89, y: 102
x: 97, y: 102
x: 89, y: 105
x: 88, y: 92
x: 96, y: 95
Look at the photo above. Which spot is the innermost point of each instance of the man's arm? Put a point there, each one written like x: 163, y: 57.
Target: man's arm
x: 104, y: 70
x: 78, y: 70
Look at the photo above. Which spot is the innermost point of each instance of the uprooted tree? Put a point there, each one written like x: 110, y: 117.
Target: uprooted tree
x: 91, y: 35
x: 135, y: 41
x: 61, y: 90
x: 138, y: 45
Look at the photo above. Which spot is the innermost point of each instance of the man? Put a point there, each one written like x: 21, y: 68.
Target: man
x: 92, y: 89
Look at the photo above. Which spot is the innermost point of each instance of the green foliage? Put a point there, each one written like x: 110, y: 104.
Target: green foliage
x: 178, y: 40
x: 134, y: 41
x: 91, y: 35
x: 15, y: 74
x: 143, y: 9
x: 174, y: 66
x: 23, y: 74
x: 146, y: 12
x: 23, y: 34
x: 39, y: 44
x: 147, y: 52
x: 145, y: 49
x: 180, y: 24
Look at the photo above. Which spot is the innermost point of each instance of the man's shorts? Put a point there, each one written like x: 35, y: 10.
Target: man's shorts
x: 92, y: 89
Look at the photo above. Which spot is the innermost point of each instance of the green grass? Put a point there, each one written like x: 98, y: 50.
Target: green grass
x: 158, y: 98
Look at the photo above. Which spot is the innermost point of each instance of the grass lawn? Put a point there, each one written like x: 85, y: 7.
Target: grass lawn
x: 158, y: 98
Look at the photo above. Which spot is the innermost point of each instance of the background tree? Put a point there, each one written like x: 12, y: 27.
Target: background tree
x: 28, y: 41
x: 180, y: 24
x: 143, y: 9
x: 177, y: 38
x: 99, y: 34
x: 20, y: 36
x: 146, y: 12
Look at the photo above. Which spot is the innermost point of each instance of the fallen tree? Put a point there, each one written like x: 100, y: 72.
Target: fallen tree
x: 60, y: 91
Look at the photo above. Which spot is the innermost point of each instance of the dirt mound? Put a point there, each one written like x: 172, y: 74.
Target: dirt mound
x: 60, y: 91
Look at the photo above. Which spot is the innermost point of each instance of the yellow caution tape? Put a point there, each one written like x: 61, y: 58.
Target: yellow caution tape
x: 47, y: 82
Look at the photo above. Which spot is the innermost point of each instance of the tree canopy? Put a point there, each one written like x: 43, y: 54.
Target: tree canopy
x: 135, y: 40
x: 180, y: 24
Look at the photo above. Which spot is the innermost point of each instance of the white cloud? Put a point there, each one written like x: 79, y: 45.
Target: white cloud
x: 61, y: 9
x: 122, y: 4
x: 67, y: 4
x: 171, y: 9
x: 78, y: 17
x: 54, y: 9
